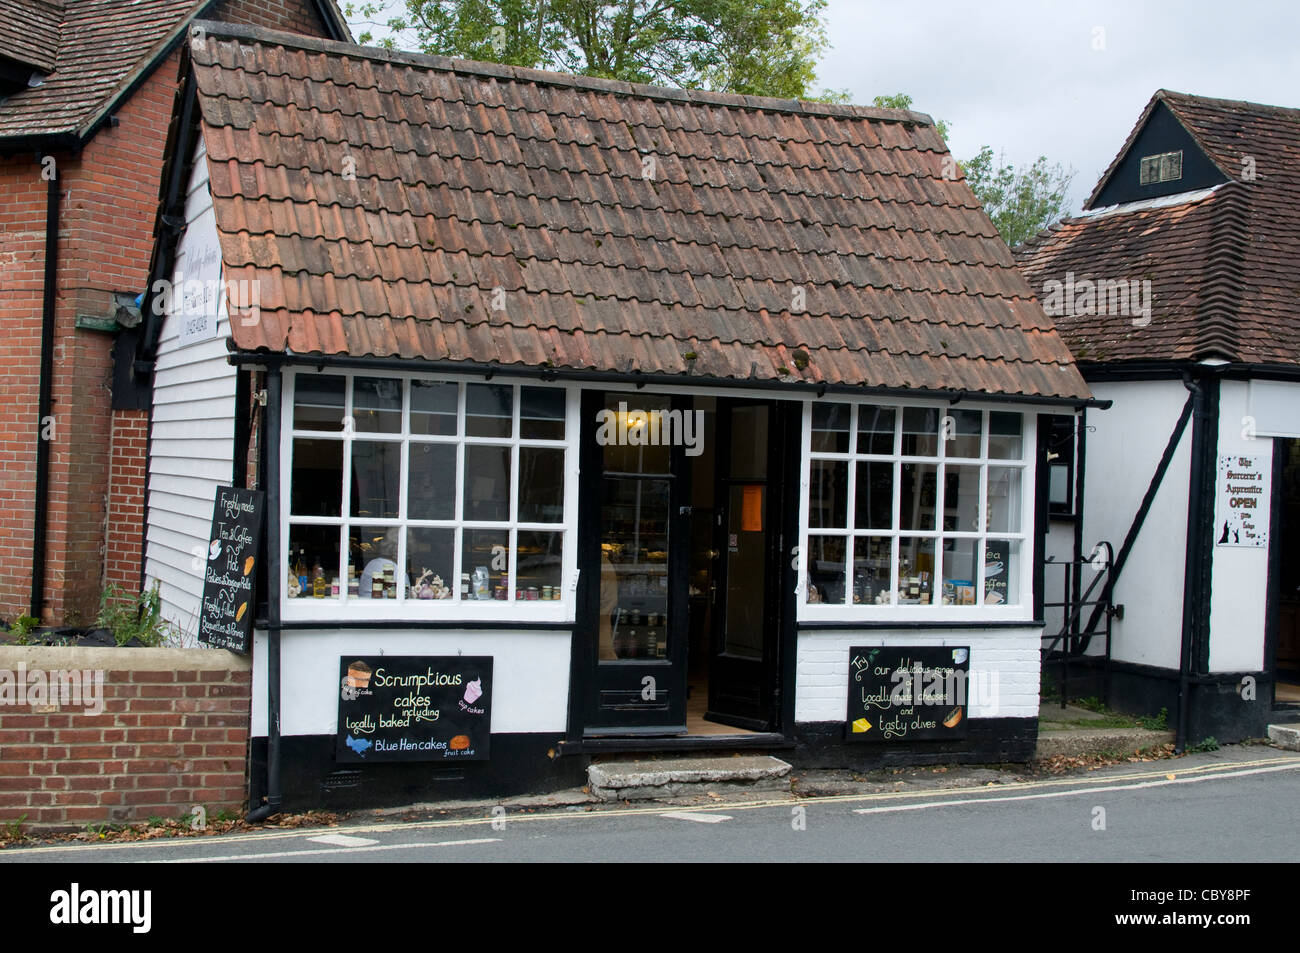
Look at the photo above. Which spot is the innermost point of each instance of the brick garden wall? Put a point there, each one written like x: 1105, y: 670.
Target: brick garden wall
x: 173, y: 734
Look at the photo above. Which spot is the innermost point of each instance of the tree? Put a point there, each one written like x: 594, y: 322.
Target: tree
x: 1020, y: 201
x: 904, y: 101
x: 751, y: 47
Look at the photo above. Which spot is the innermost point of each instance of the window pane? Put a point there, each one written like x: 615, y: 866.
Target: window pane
x: 915, y: 570
x: 487, y: 483
x: 871, y: 562
x: 960, y: 573
x: 430, y: 563
x: 316, y: 478
x: 485, y: 555
x: 372, y: 559
x: 313, y: 562
x: 1058, y: 480
x: 920, y: 432
x: 919, y: 487
x: 963, y: 440
x: 488, y: 410
x: 541, y: 485
x: 876, y: 429
x: 827, y: 560
x: 635, y: 526
x: 830, y: 428
x: 875, y: 496
x: 376, y: 478
x: 1004, y: 499
x: 541, y: 413
x: 431, y: 494
x: 1005, y: 439
x: 961, y: 499
x: 1001, y: 572
x: 828, y: 495
x: 539, y: 564
x: 625, y: 432
x: 377, y: 405
x: 433, y: 408
x: 318, y: 401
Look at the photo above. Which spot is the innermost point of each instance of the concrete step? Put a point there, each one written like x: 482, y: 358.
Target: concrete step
x: 678, y: 777
x: 1081, y: 742
x: 1285, y: 736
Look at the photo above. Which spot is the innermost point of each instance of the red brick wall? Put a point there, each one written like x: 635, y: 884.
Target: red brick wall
x: 126, y: 496
x: 165, y: 742
x: 110, y: 197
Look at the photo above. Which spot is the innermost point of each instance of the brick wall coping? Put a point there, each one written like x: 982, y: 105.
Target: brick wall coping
x: 122, y: 660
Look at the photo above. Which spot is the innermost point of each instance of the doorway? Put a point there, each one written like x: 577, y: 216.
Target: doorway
x: 681, y: 531
x: 1286, y: 545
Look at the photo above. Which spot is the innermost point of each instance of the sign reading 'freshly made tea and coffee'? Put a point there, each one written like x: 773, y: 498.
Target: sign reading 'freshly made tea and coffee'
x: 414, y: 708
x: 907, y: 693
x: 226, y: 615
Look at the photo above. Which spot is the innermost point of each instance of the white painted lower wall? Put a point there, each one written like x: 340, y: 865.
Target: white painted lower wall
x: 530, y: 673
x: 1006, y: 660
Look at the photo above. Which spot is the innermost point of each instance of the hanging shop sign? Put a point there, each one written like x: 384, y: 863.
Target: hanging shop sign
x: 901, y: 693
x: 414, y: 708
x: 1242, y: 501
x: 226, y: 615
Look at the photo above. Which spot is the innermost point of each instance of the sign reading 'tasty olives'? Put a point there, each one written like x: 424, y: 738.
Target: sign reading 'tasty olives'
x: 904, y: 693
x: 414, y: 708
x: 226, y: 615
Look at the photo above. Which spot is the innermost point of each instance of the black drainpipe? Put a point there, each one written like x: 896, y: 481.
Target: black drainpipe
x: 274, y: 577
x: 1200, y: 541
x: 40, y: 514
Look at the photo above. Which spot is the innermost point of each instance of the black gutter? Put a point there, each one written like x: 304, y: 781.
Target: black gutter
x: 1198, y: 563
x: 1175, y: 370
x: 320, y: 361
x: 45, y: 401
x: 273, y: 580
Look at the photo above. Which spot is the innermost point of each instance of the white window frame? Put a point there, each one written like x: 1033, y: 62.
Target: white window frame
x: 849, y: 612
x: 344, y: 609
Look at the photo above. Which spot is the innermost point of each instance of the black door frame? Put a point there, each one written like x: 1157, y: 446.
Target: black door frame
x: 585, y: 633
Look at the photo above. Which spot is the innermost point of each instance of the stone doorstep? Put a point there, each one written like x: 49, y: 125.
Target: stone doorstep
x: 1285, y: 736
x: 673, y: 777
x: 1079, y: 742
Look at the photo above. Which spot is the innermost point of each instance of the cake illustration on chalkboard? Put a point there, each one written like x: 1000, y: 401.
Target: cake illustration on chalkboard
x: 459, y: 743
x: 358, y: 675
x: 473, y: 690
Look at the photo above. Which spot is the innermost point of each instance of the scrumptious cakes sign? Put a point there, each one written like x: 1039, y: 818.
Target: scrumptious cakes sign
x: 414, y: 708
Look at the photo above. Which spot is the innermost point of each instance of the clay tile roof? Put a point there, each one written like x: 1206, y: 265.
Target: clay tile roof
x: 506, y: 215
x: 92, y: 49
x: 1221, y: 261
x: 29, y: 31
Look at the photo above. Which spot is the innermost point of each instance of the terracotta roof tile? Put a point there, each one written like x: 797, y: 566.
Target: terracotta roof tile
x: 624, y: 229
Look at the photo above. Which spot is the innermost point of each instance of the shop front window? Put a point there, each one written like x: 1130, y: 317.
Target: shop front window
x: 441, y: 496
x: 913, y: 506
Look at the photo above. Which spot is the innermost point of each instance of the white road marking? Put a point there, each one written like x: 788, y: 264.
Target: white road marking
x: 328, y: 850
x: 695, y: 816
x: 1088, y: 790
x: 342, y: 840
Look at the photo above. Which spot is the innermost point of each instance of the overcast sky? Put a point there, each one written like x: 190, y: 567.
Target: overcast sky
x: 1065, y: 80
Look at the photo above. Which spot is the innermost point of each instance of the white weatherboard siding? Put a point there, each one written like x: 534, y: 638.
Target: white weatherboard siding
x: 1004, y: 660
x: 1240, y: 582
x: 1123, y: 452
x: 193, y: 425
x: 530, y: 674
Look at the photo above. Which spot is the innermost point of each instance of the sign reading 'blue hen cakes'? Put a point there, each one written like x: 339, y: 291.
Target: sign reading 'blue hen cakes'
x: 414, y: 708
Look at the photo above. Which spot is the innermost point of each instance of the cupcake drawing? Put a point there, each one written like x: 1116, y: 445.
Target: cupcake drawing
x: 473, y: 691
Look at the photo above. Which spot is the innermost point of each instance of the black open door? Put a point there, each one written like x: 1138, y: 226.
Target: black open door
x: 751, y: 508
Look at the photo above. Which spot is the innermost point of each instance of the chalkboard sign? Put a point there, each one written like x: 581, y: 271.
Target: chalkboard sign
x: 414, y: 708
x: 907, y: 693
x: 226, y: 615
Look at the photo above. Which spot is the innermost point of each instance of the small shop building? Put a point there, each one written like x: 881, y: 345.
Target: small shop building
x: 642, y: 418
x: 1177, y: 292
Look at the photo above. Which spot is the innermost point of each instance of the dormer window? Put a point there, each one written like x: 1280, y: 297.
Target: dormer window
x: 1164, y: 167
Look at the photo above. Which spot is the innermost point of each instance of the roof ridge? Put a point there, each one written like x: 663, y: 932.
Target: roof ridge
x: 218, y: 30
x: 1183, y: 98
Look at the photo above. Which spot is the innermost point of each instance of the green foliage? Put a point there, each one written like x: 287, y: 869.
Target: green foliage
x: 751, y: 47
x: 1091, y: 703
x: 1209, y: 744
x: 1158, y: 722
x: 11, y: 832
x: 133, y: 617
x: 1021, y: 201
x: 904, y: 101
x: 21, y: 629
